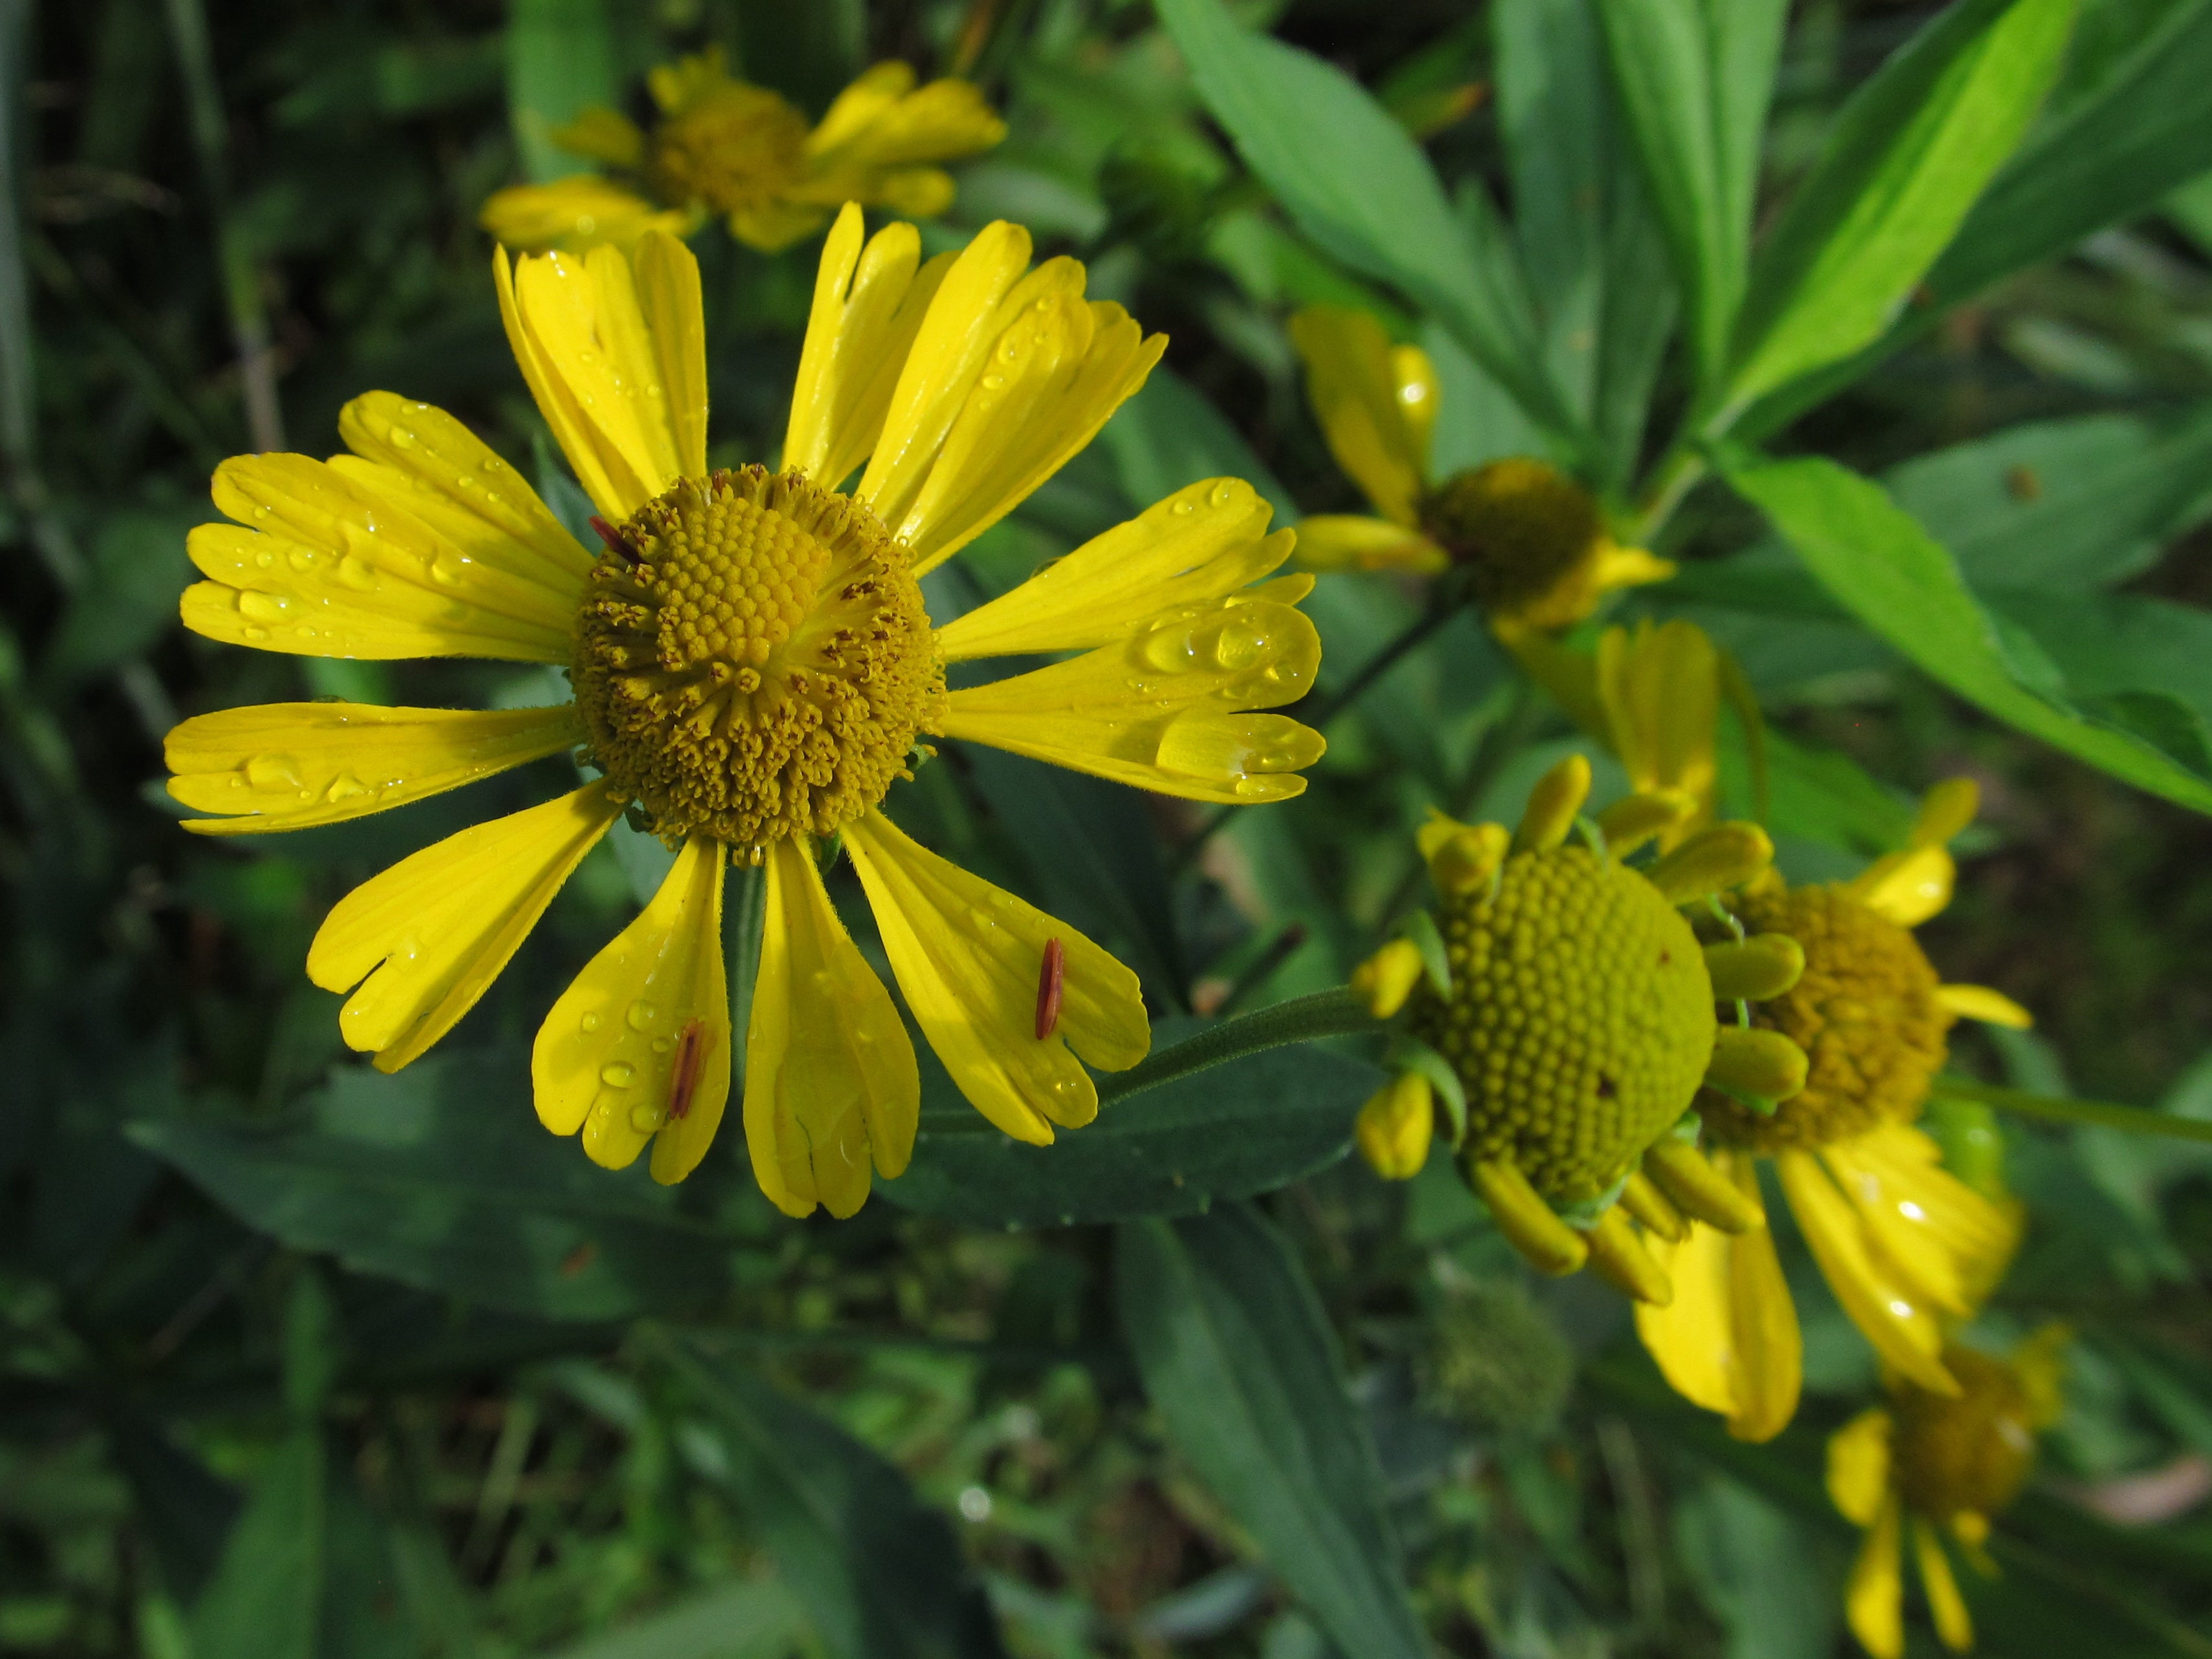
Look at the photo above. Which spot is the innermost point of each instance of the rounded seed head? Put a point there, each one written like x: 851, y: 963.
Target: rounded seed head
x: 1971, y: 1452
x: 1519, y: 528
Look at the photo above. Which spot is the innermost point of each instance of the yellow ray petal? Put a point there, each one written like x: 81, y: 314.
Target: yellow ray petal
x: 1199, y: 544
x: 1945, y: 1604
x: 910, y: 192
x: 830, y: 1083
x: 431, y: 933
x: 771, y: 227
x: 675, y: 317
x: 637, y: 1048
x: 1945, y: 810
x: 600, y: 134
x: 881, y: 122
x: 1902, y: 1325
x: 969, y: 957
x: 291, y: 765
x: 463, y: 490
x: 1059, y: 370
x: 869, y: 303
x: 1907, y: 887
x: 575, y: 214
x: 1660, y: 689
x: 338, y: 565
x: 1942, y: 1240
x: 1414, y: 378
x: 1980, y: 1002
x: 1692, y: 1338
x: 1351, y: 541
x: 1353, y: 387
x: 1873, y: 1600
x: 1858, y: 1466
x: 1164, y: 709
x: 1770, y: 1352
x: 581, y: 338
x: 1616, y: 566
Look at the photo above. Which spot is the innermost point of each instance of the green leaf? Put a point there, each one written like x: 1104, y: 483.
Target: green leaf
x: 1755, y: 1566
x: 1361, y: 190
x: 2063, y: 504
x: 560, y: 63
x: 1694, y: 80
x: 879, y: 1573
x: 2112, y: 646
x: 1881, y: 565
x: 1168, y: 435
x: 1238, y: 1359
x: 266, y: 1599
x: 441, y: 1176
x: 129, y: 598
x: 745, y: 1620
x: 1247, y: 1127
x: 1911, y: 152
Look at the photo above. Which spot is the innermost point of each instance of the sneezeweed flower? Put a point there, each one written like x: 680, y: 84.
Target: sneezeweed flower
x: 753, y: 666
x: 1904, y: 1244
x: 724, y: 149
x: 1938, y: 1465
x: 1528, y: 545
x: 1559, y: 1012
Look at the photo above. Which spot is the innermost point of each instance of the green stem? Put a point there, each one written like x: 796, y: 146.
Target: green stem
x: 1336, y: 1012
x: 2102, y: 1113
x: 1674, y: 478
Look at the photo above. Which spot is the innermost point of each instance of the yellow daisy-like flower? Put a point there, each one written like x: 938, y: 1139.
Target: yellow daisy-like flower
x: 1904, y: 1244
x: 1933, y: 1464
x: 1560, y: 1012
x: 753, y: 666
x: 1530, y: 544
x: 726, y: 148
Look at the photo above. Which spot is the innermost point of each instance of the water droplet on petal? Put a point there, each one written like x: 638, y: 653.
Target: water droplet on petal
x: 643, y: 1014
x: 589, y: 1023
x: 617, y: 1074
x: 645, y: 1119
x: 272, y: 772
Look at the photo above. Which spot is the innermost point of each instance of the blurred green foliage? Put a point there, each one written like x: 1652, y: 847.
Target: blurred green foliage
x: 297, y: 1359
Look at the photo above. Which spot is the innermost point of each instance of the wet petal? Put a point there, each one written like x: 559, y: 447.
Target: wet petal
x: 1903, y: 1324
x: 290, y: 765
x: 1945, y: 1242
x: 339, y: 564
x: 1692, y: 1338
x: 574, y: 214
x: 831, y: 1083
x: 1858, y: 1466
x: 1167, y: 709
x: 1353, y: 386
x: 967, y: 957
x: 1659, y: 687
x: 869, y: 303
x: 1873, y: 1600
x: 637, y: 1048
x: 881, y: 122
x: 675, y: 317
x: 431, y: 933
x: 1202, y: 542
x: 1907, y: 887
x: 1351, y: 541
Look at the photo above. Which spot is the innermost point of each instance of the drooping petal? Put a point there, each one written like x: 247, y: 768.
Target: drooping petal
x: 575, y: 214
x: 338, y: 563
x: 1907, y: 887
x: 969, y: 957
x: 869, y: 303
x: 1954, y: 1627
x: 1692, y: 1338
x: 1902, y: 1324
x: 1858, y: 1466
x: 1352, y: 541
x: 462, y: 489
x: 581, y: 334
x: 1659, y: 687
x: 1202, y: 543
x: 1770, y: 1350
x: 830, y: 1082
x: 1414, y: 378
x: 1353, y: 386
x: 291, y: 765
x: 675, y: 325
x: 1167, y: 709
x: 1980, y: 1002
x: 637, y: 1048
x: 1873, y: 1600
x: 431, y: 933
x: 1939, y: 1237
x: 882, y: 122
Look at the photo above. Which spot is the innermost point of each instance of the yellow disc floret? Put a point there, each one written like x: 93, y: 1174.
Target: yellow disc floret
x: 1968, y: 1453
x: 736, y: 148
x: 753, y: 661
x: 1580, y: 1018
x: 1866, y: 1013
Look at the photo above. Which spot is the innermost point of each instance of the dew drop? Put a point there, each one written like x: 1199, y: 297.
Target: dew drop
x: 617, y: 1074
x: 401, y: 438
x: 1183, y: 507
x: 1224, y: 493
x: 264, y: 607
x: 273, y: 771
x: 345, y: 787
x: 643, y: 1015
x: 645, y: 1119
x: 590, y: 1022
x: 1238, y: 643
x: 356, y: 573
x: 264, y: 558
x: 302, y: 558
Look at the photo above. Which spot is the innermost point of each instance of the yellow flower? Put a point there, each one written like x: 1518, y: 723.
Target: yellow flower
x: 1933, y: 1463
x: 753, y: 666
x: 1529, y: 544
x: 1904, y: 1244
x: 1568, y: 1019
x: 723, y: 148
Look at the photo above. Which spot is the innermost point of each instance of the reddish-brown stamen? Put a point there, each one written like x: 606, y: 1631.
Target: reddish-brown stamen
x: 614, y: 538
x: 690, y: 1057
x: 1051, y: 974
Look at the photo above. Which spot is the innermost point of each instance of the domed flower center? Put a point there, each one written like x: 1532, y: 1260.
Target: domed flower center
x: 734, y: 149
x: 1580, y: 1021
x: 1969, y: 1453
x: 1517, y: 527
x: 753, y: 661
x: 1865, y: 1013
